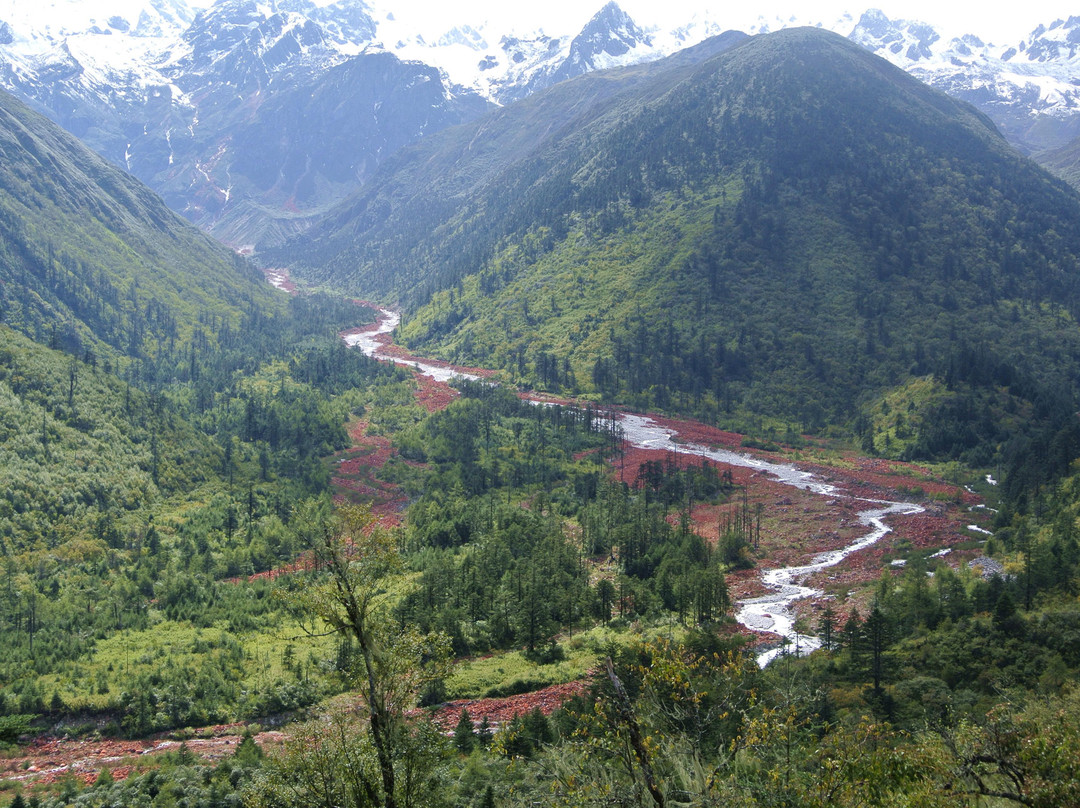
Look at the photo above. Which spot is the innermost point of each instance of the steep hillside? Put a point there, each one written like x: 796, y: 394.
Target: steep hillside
x: 1065, y: 162
x: 80, y: 450
x: 789, y: 228
x: 380, y: 239
x: 89, y: 257
x: 302, y: 147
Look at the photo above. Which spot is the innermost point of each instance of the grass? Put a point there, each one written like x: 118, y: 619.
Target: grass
x: 95, y: 681
x: 512, y: 671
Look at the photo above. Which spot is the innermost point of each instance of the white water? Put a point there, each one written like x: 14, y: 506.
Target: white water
x: 368, y: 342
x: 773, y: 612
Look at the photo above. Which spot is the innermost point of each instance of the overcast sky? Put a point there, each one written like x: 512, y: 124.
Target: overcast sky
x: 1002, y: 25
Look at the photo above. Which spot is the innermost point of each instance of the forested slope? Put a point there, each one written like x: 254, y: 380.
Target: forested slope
x: 91, y: 258
x: 126, y: 506
x: 793, y: 228
x: 155, y: 441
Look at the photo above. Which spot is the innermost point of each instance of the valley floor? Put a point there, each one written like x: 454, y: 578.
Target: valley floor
x: 795, y: 525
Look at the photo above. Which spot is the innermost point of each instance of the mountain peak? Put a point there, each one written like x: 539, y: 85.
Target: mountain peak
x: 463, y: 35
x: 909, y: 39
x: 1058, y: 42
x: 611, y: 38
x: 611, y: 31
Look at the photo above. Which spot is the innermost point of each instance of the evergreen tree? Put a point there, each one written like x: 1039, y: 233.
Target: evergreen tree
x: 464, y: 736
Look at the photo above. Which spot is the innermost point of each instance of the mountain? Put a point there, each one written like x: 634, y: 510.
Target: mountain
x: 1064, y: 161
x: 790, y: 227
x: 521, y: 65
x: 251, y: 118
x: 188, y: 103
x: 1028, y: 88
x: 313, y: 116
x: 252, y: 174
x: 421, y: 188
x: 92, y: 260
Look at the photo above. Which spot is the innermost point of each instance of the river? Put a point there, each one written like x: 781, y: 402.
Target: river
x: 773, y: 612
x: 368, y: 341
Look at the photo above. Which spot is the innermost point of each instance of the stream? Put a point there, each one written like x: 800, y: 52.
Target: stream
x: 772, y: 612
x: 369, y: 343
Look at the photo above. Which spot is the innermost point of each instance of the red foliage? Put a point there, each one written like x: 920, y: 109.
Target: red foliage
x: 48, y: 759
x: 498, y: 711
x: 433, y: 395
x: 304, y: 563
x: 799, y: 525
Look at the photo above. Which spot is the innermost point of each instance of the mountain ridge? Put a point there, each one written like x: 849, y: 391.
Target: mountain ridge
x: 167, y: 96
x: 654, y: 250
x: 93, y: 259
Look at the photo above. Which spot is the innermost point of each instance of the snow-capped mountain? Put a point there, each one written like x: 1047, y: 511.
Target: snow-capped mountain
x: 75, y: 61
x: 41, y: 24
x: 246, y: 116
x: 1030, y: 89
x: 251, y: 115
x: 517, y: 65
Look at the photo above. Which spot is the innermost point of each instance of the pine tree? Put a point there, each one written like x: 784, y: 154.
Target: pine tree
x: 484, y: 732
x: 464, y: 737
x: 827, y: 627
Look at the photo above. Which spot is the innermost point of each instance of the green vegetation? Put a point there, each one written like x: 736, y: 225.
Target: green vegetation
x: 156, y: 449
x: 1063, y: 162
x: 95, y: 263
x: 129, y: 504
x: 776, y: 238
x: 391, y: 761
x: 516, y: 532
x: 181, y: 779
x: 772, y: 259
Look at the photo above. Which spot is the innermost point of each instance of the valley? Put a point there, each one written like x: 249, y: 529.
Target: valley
x: 662, y: 417
x: 773, y: 613
x: 807, y: 503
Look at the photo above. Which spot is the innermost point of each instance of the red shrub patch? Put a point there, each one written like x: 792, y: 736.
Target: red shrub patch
x: 498, y: 711
x: 433, y: 396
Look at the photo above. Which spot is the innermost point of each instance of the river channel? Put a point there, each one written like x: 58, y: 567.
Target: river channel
x: 772, y: 612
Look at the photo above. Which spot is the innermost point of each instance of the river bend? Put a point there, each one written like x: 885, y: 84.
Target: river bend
x: 773, y: 612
